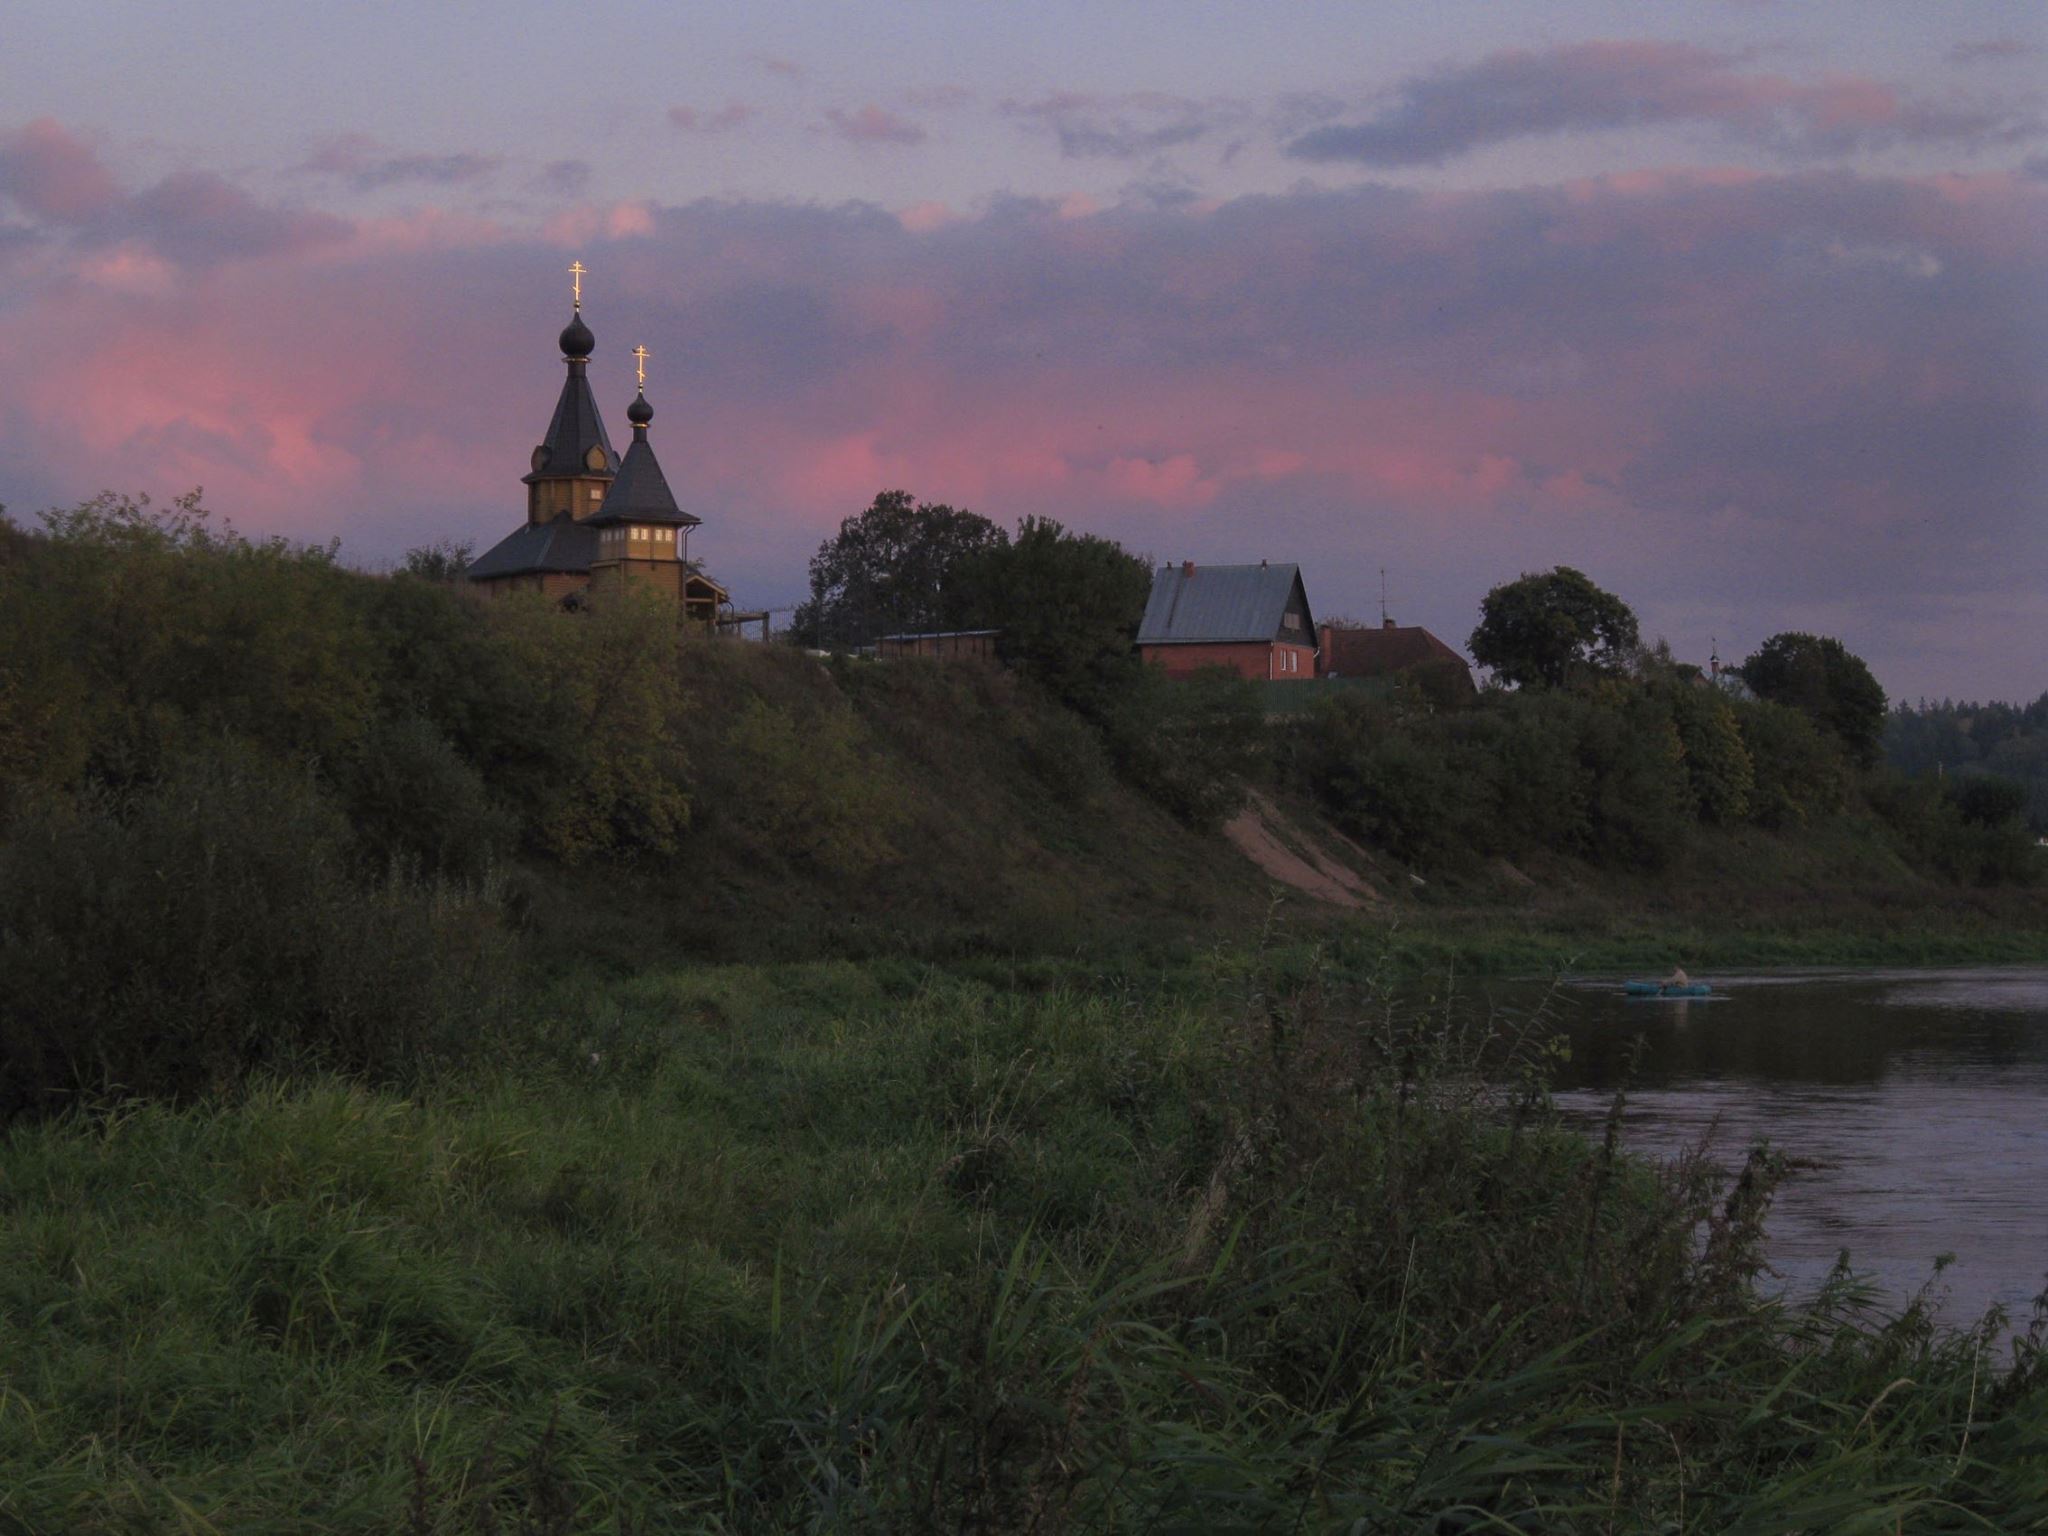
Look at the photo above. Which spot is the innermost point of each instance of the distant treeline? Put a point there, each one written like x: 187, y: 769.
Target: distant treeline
x: 1975, y: 741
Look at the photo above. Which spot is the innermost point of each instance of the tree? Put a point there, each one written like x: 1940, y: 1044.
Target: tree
x: 445, y: 560
x: 893, y: 568
x: 1543, y: 630
x: 1716, y: 762
x: 1068, y: 606
x: 1824, y: 681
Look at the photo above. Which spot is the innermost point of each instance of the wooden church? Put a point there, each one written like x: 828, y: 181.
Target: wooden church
x: 596, y: 521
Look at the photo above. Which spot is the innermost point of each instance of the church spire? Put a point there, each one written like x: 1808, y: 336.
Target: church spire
x: 640, y: 495
x: 576, y: 457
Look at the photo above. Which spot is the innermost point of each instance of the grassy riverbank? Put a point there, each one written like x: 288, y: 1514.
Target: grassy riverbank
x: 1483, y: 940
x: 875, y: 1247
x: 470, y: 1068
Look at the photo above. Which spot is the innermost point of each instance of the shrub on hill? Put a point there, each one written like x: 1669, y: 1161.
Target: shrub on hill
x: 808, y: 788
x: 1192, y: 747
x: 172, y: 938
x: 131, y: 634
x: 1599, y: 775
x: 1798, y: 773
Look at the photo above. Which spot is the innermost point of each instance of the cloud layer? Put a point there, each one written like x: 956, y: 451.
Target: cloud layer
x: 1746, y: 401
x: 1600, y: 86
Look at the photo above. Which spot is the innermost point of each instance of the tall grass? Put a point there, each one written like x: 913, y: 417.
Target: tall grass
x: 855, y: 1248
x: 171, y: 938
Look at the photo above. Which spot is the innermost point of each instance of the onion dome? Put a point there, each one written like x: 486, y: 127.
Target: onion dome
x: 640, y: 494
x: 577, y: 341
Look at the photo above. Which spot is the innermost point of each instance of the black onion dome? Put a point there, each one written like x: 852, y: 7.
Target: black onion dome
x: 640, y: 412
x: 576, y: 338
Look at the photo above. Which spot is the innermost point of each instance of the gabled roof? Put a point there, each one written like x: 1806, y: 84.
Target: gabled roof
x: 641, y: 493
x: 1379, y: 652
x: 1221, y: 603
x: 562, y: 547
x: 574, y: 431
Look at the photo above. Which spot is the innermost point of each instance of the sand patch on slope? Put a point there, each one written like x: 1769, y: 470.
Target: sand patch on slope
x: 1257, y: 832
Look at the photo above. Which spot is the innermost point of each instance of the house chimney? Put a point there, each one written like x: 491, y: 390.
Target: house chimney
x: 1187, y: 569
x: 1388, y: 624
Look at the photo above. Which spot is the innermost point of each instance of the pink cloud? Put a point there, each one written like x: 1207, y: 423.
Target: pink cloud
x: 53, y: 174
x: 189, y: 218
x: 923, y: 218
x: 725, y: 118
x: 1714, y: 390
x: 1173, y: 482
x: 589, y: 222
x: 874, y: 125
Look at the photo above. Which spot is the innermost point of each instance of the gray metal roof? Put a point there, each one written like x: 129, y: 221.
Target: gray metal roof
x: 575, y: 429
x: 641, y: 493
x: 561, y: 547
x: 1221, y: 603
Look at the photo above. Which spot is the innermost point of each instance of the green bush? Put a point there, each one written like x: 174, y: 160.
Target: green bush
x: 1641, y: 804
x: 1971, y: 828
x: 170, y: 940
x: 806, y: 789
x: 1799, y: 774
x: 1383, y: 779
x: 1717, y: 764
x: 598, y: 714
x: 1544, y: 790
x: 1192, y: 746
x: 413, y: 802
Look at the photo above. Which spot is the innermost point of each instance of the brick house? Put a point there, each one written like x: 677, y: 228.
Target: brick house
x: 1253, y: 620
x: 594, y: 520
x: 1394, y: 650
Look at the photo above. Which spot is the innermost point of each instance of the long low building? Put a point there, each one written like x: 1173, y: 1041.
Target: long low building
x: 1253, y: 620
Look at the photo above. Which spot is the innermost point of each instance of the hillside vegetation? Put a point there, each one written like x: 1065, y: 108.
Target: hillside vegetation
x: 470, y: 1068
x: 238, y: 779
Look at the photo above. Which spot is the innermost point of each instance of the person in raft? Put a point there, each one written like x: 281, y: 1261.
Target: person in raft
x: 1677, y: 978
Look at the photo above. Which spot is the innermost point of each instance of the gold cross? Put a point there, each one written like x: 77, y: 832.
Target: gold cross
x: 576, y: 271
x: 640, y: 367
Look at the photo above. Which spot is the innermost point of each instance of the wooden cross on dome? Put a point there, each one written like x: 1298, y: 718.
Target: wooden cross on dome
x: 640, y: 367
x: 576, y: 271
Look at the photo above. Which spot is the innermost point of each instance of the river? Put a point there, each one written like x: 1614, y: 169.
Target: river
x: 1921, y: 1094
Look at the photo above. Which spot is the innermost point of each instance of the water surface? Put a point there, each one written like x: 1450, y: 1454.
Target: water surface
x: 1923, y: 1095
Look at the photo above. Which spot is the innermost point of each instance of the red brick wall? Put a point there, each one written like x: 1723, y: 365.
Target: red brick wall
x: 1251, y: 660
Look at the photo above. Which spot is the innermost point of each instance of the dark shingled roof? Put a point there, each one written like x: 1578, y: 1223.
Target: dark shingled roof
x: 562, y: 547
x: 1380, y: 652
x: 1222, y: 603
x: 641, y: 493
x: 575, y: 430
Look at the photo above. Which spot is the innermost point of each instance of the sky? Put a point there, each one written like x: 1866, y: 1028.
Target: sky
x: 1739, y: 306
